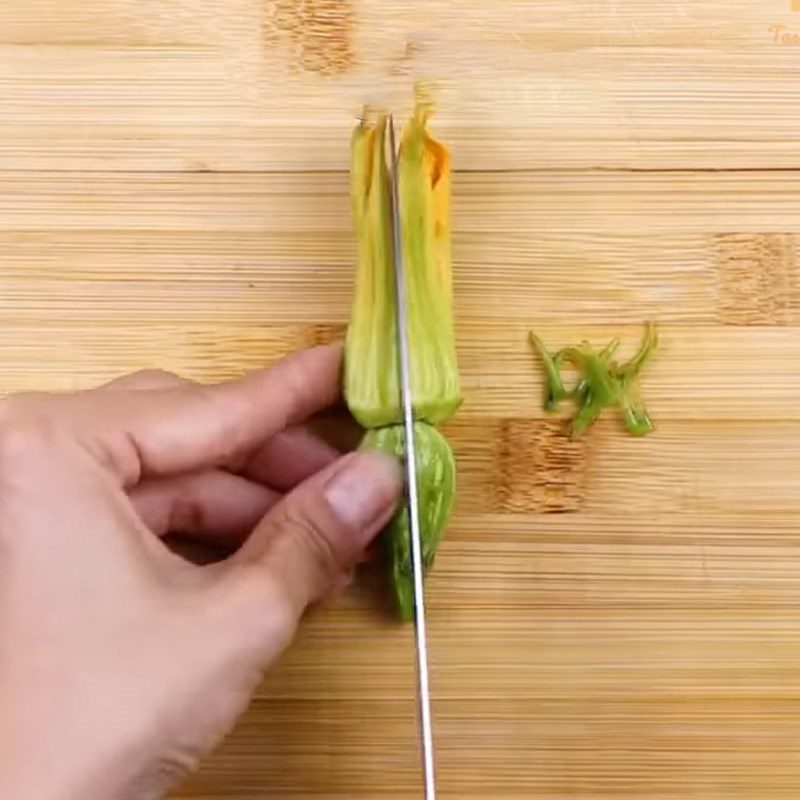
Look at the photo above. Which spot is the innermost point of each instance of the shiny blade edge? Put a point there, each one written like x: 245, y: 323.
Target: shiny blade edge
x: 421, y: 641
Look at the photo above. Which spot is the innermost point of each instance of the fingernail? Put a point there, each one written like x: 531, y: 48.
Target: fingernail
x: 364, y: 489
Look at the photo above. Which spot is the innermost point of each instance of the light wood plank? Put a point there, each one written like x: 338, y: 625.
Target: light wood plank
x: 690, y: 748
x: 485, y: 203
x: 262, y: 85
x: 701, y: 373
x: 605, y: 247
x: 267, y: 276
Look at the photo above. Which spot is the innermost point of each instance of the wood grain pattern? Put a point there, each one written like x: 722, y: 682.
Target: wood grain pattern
x: 609, y: 617
x: 254, y: 84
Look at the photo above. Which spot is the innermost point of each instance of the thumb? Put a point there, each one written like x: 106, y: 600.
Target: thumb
x: 315, y: 534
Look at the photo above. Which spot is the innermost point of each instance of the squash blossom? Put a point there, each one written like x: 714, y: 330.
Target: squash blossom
x: 371, y: 372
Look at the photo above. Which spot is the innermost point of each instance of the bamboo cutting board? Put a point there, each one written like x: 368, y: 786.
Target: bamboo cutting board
x: 610, y: 617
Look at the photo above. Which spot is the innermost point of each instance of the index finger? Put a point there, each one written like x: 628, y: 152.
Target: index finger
x: 189, y: 427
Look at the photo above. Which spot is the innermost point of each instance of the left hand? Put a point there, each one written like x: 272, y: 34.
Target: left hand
x: 121, y: 663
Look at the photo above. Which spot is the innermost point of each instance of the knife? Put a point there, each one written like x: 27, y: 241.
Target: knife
x: 420, y: 632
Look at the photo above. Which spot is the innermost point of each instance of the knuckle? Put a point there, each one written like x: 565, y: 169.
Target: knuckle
x: 294, y: 382
x: 149, y: 378
x: 312, y: 535
x: 228, y: 412
x: 156, y: 375
x: 22, y: 437
x: 169, y: 769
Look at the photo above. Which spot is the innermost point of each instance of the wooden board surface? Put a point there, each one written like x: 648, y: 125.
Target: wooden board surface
x: 609, y: 618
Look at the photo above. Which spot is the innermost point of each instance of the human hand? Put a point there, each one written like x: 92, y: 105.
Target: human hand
x: 122, y: 663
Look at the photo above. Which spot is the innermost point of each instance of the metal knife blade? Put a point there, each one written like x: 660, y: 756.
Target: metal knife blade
x: 421, y: 640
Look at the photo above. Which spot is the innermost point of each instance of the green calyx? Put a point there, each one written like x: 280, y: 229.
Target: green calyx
x: 436, y: 484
